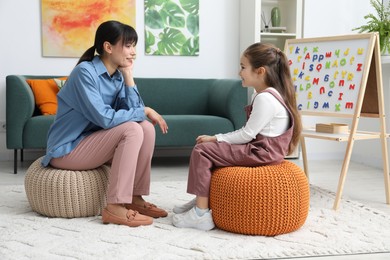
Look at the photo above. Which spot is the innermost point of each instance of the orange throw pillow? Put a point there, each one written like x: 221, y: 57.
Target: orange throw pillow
x: 45, y: 93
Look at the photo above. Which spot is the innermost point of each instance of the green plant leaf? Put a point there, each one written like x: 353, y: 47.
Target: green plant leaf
x: 151, y: 4
x: 193, y: 24
x: 191, y: 6
x: 150, y: 40
x: 378, y: 23
x: 173, y: 15
x: 157, y: 52
x: 171, y: 41
x: 154, y: 20
x: 190, y: 47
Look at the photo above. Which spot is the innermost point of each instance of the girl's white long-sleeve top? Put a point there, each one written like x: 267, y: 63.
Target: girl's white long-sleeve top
x: 268, y: 118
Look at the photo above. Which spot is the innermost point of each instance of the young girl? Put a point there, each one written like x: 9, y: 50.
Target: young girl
x: 101, y: 119
x: 272, y: 131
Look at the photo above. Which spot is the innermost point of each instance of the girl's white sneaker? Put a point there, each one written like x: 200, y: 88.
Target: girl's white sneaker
x: 185, y: 207
x: 190, y: 219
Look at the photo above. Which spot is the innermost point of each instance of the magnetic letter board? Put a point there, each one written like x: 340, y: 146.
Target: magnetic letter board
x: 330, y: 73
x: 340, y: 76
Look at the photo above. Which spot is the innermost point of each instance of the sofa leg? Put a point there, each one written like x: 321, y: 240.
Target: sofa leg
x: 21, y: 155
x: 15, y: 161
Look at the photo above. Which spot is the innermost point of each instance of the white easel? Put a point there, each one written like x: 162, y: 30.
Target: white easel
x: 368, y: 102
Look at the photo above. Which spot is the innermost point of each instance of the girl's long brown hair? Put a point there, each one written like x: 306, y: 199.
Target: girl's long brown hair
x: 278, y: 76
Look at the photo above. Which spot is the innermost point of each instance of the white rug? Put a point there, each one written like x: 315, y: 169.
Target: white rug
x: 353, y: 229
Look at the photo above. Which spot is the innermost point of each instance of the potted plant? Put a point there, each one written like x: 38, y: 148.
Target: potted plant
x: 379, y: 23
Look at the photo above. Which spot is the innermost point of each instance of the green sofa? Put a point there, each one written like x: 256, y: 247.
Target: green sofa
x: 190, y: 107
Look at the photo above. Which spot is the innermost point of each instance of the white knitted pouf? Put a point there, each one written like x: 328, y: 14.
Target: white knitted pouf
x: 65, y: 193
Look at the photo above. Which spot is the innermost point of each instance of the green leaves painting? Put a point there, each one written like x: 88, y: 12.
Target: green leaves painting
x: 172, y: 27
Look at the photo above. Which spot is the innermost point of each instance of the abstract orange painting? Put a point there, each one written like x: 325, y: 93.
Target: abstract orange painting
x: 68, y: 26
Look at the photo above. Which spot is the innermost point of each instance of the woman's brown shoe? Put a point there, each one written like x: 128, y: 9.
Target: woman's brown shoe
x: 132, y: 219
x: 148, y: 209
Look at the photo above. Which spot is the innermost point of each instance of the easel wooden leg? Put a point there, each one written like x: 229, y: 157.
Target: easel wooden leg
x: 382, y: 118
x: 304, y: 156
x: 343, y: 174
x: 385, y: 165
x: 386, y: 179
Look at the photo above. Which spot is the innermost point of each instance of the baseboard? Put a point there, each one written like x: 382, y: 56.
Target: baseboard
x: 172, y: 152
x: 28, y: 155
x: 186, y: 152
x: 6, y: 156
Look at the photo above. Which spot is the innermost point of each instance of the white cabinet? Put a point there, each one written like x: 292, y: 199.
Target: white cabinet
x: 252, y: 25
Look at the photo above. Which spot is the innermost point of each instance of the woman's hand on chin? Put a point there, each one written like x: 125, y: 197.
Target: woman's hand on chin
x: 127, y: 73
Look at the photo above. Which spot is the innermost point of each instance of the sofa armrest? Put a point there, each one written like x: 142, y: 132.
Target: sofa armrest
x: 227, y: 98
x: 20, y: 105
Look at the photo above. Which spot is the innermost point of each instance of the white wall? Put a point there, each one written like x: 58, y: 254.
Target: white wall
x: 369, y: 152
x: 20, y: 52
x: 20, y: 48
x: 331, y: 18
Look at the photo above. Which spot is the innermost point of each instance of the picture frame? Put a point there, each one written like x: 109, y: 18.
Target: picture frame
x: 68, y: 27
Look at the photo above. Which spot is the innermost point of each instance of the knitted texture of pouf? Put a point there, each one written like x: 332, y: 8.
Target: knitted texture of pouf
x: 65, y: 193
x: 266, y: 200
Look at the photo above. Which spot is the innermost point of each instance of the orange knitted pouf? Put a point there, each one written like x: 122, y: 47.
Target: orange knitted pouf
x: 267, y: 200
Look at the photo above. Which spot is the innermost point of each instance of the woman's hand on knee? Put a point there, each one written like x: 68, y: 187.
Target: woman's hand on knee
x: 156, y: 118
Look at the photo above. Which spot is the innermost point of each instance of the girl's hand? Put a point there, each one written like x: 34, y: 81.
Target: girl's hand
x: 206, y: 138
x: 156, y: 118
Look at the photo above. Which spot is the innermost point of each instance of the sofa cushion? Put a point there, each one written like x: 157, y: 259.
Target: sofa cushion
x: 175, y: 96
x: 45, y: 94
x: 184, y: 129
x: 60, y: 81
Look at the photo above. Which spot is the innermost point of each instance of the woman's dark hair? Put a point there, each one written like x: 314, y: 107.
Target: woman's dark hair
x: 112, y: 32
x: 277, y: 76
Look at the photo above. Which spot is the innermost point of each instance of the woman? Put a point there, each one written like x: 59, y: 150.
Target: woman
x: 101, y: 119
x: 271, y: 132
